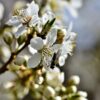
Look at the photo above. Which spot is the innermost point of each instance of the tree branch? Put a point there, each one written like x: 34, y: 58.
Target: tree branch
x: 13, y: 55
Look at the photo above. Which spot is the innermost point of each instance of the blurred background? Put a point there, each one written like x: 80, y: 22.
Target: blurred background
x: 85, y: 61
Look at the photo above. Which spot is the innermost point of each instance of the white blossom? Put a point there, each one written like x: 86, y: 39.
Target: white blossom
x: 1, y: 11
x: 72, y: 6
x: 56, y: 75
x: 28, y: 15
x: 45, y: 49
x: 47, y: 16
x: 67, y: 45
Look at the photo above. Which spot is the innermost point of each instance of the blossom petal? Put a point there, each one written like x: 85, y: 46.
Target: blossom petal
x: 34, y: 21
x: 47, y: 16
x: 61, y: 60
x: 31, y: 50
x: 37, y: 43
x: 76, y: 3
x: 52, y: 36
x: 20, y: 30
x: 73, y: 12
x: 32, y: 9
x: 47, y: 62
x: 67, y: 48
x: 61, y: 77
x: 34, y: 60
x: 55, y: 47
x: 55, y: 70
x: 14, y: 21
x: 73, y: 36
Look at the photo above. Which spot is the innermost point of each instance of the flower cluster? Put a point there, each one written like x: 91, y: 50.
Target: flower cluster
x: 48, y: 44
x: 47, y: 86
x: 49, y: 51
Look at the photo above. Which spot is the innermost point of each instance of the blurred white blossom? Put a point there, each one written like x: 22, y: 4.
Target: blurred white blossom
x: 73, y: 6
x: 56, y: 75
x: 1, y: 11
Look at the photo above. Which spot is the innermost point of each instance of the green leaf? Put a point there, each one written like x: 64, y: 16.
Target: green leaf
x: 46, y: 28
x: 22, y: 39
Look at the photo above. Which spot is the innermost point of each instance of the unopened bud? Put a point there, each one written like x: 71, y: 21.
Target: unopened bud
x: 40, y: 80
x: 72, y: 89
x: 74, y: 80
x: 22, y: 39
x: 57, y: 98
x: 80, y: 98
x: 82, y: 94
x: 8, y: 38
x: 49, y: 92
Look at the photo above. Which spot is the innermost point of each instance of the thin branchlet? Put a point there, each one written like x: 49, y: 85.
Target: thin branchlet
x: 14, y: 54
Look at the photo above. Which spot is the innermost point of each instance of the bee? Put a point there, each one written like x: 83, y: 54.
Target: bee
x: 26, y: 19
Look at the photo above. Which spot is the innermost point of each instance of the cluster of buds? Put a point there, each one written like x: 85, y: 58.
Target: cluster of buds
x: 45, y: 86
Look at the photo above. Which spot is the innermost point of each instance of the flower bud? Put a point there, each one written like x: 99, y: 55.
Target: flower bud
x: 8, y: 38
x: 49, y: 92
x: 80, y: 98
x: 74, y: 80
x: 14, y: 45
x: 72, y: 89
x: 61, y: 60
x: 63, y: 89
x: 57, y: 98
x: 82, y: 94
x: 36, y: 86
x: 20, y: 61
x: 73, y: 36
x: 40, y: 80
x: 22, y: 39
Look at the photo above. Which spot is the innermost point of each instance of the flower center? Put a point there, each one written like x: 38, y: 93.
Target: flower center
x: 46, y: 51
